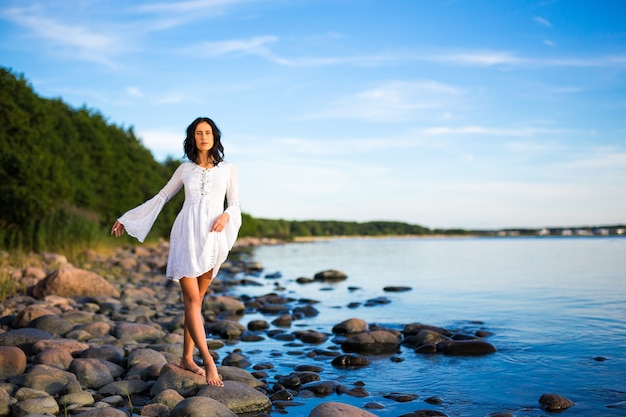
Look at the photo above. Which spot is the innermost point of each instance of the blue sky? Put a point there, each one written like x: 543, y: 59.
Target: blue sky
x: 450, y: 113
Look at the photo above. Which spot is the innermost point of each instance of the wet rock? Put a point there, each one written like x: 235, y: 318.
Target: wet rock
x: 350, y: 362
x: 236, y: 359
x: 425, y: 413
x: 396, y: 289
x: 554, y: 402
x: 330, y: 275
x: 335, y: 409
x: 413, y: 329
x: 321, y: 388
x: 12, y: 362
x: 401, y: 397
x: 201, y: 407
x: 258, y: 325
x: 351, y: 326
x: 372, y: 342
x: 69, y: 281
x: 466, y: 348
x: 228, y: 329
x: 311, y: 336
x: 284, y: 320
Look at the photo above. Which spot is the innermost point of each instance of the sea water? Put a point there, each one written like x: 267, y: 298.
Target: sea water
x: 556, y: 309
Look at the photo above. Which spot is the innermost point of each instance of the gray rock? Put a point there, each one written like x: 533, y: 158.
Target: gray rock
x: 102, y: 412
x: 238, y: 397
x: 232, y: 373
x: 223, y: 303
x: 23, y: 338
x: 109, y: 353
x: 169, y: 397
x: 145, y: 356
x: 124, y: 388
x: 39, y: 405
x: 335, y: 409
x: 236, y: 359
x: 201, y: 407
x: 186, y: 383
x: 52, y: 324
x: 48, y: 378
x: 91, y: 373
x: 81, y: 399
x: 68, y: 281
x: 228, y: 329
x: 138, y: 332
x: 5, y: 400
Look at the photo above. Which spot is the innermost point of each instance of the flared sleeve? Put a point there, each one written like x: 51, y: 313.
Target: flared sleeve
x: 231, y: 230
x: 139, y: 221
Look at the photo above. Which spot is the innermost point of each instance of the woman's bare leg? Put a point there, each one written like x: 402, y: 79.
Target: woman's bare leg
x: 187, y: 361
x: 194, y: 323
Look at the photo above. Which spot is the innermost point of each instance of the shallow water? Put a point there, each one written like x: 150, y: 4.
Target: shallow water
x: 554, y: 305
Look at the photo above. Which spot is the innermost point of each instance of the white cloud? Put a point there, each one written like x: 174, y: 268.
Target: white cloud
x: 391, y: 102
x: 542, y: 21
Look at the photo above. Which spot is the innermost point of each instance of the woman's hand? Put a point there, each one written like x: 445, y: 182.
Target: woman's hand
x: 220, y: 222
x: 117, y: 229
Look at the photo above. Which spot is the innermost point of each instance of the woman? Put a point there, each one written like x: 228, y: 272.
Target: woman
x: 203, y: 232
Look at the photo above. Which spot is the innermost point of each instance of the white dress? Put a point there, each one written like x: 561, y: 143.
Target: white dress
x: 194, y: 249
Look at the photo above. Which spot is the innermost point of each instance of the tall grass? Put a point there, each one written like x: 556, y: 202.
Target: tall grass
x: 66, y: 230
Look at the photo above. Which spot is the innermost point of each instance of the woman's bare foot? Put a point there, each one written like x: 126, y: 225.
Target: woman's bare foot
x: 190, y: 365
x: 212, y: 377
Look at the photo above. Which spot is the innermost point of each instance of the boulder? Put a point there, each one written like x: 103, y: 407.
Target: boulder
x: 68, y: 281
x: 350, y: 326
x: 330, y: 275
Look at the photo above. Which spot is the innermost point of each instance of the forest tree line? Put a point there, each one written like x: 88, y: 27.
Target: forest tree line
x: 66, y: 174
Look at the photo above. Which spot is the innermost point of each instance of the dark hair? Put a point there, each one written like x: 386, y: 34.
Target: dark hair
x: 216, y: 153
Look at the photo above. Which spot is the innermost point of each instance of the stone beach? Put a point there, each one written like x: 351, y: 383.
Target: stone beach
x: 105, y: 339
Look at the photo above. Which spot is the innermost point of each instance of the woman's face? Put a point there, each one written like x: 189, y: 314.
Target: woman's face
x: 204, y: 137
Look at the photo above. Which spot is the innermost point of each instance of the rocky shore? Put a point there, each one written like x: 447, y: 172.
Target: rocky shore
x: 105, y: 339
